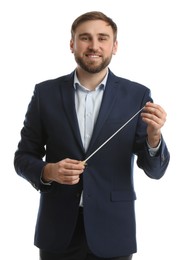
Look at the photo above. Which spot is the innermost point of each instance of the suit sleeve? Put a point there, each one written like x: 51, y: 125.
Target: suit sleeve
x: 154, y: 166
x: 28, y: 159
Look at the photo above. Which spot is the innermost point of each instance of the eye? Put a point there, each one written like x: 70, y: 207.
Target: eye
x: 84, y: 37
x: 103, y: 38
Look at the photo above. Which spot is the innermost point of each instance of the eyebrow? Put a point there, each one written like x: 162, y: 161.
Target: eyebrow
x: 99, y: 34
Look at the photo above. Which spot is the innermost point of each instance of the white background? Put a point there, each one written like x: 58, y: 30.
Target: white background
x: 34, y: 46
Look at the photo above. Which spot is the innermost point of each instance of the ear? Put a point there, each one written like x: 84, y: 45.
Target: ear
x: 71, y: 45
x: 115, y: 47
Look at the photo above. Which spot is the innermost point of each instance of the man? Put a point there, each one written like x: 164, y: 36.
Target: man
x: 86, y: 184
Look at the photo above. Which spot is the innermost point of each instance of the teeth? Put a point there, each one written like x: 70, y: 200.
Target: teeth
x: 93, y: 56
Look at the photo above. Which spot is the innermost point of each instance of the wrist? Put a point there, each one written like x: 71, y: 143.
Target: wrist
x: 153, y: 139
x: 46, y: 173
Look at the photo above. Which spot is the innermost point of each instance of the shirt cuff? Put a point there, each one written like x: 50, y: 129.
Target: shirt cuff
x: 153, y: 151
x: 45, y: 183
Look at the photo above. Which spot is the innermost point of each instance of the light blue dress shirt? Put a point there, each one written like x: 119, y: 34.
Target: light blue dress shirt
x: 87, y: 104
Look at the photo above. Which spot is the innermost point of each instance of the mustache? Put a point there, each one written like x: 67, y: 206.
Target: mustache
x: 93, y: 52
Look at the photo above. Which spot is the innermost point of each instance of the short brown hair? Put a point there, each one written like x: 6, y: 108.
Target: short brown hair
x: 94, y: 15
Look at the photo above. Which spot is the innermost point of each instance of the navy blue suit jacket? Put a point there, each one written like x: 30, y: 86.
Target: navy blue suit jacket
x: 51, y: 132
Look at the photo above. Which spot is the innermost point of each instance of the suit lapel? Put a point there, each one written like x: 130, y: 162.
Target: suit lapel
x: 68, y: 98
x: 108, y: 101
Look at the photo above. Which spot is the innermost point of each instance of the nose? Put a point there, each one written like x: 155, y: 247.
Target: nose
x: 94, y: 45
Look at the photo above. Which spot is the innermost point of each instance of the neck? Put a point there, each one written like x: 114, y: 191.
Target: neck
x: 90, y: 80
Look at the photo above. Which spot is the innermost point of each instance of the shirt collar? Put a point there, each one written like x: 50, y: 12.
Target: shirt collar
x: 102, y: 83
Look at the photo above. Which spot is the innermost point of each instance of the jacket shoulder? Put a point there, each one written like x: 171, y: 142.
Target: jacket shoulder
x: 50, y: 83
x: 127, y: 83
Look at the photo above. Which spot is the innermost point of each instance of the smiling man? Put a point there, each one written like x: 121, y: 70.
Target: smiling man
x: 93, y: 44
x: 86, y: 211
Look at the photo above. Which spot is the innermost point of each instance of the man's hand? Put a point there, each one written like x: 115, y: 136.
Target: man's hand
x: 67, y: 171
x: 154, y: 116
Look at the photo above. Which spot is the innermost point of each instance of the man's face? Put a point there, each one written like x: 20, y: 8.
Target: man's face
x: 93, y: 45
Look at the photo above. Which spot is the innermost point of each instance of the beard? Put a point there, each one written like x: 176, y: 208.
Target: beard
x: 91, y: 66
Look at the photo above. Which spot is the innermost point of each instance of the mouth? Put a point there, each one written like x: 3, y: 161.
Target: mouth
x: 93, y: 56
